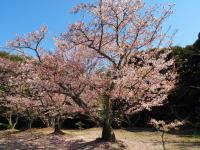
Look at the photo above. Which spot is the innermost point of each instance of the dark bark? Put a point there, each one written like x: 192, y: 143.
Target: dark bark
x: 57, y: 126
x: 107, y: 132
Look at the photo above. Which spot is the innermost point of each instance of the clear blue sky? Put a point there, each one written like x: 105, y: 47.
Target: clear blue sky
x: 22, y: 16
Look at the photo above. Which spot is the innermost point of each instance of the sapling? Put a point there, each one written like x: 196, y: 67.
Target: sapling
x: 164, y: 127
x: 80, y: 126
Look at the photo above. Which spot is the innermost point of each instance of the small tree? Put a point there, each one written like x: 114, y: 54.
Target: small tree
x: 80, y: 126
x: 164, y: 127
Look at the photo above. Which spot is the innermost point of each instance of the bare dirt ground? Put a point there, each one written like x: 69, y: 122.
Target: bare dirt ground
x: 42, y: 139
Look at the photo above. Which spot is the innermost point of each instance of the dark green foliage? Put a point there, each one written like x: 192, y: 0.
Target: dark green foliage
x: 80, y: 125
x: 14, y: 58
x: 196, y: 45
x: 185, y: 100
x: 4, y: 54
x: 73, y: 122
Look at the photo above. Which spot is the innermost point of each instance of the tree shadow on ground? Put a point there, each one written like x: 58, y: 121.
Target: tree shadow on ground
x: 52, y: 142
x: 180, y: 144
x: 140, y: 129
x: 94, y: 145
x: 28, y: 141
x: 186, y: 138
x: 189, y: 145
x: 181, y: 133
x: 186, y: 133
x: 18, y: 143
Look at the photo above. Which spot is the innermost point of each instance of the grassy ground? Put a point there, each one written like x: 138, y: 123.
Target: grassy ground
x: 85, y: 140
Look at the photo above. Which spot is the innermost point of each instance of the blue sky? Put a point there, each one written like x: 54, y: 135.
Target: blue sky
x: 22, y: 16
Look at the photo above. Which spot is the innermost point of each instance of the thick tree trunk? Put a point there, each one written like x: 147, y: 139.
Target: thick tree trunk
x: 57, y: 126
x: 107, y: 132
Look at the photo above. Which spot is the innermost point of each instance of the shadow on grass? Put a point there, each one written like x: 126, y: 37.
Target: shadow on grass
x: 140, y: 129
x: 14, y: 145
x: 190, y: 133
x: 97, y: 144
x: 29, y: 141
x: 189, y: 145
x: 186, y: 138
x: 179, y: 144
x: 52, y: 142
x: 187, y: 133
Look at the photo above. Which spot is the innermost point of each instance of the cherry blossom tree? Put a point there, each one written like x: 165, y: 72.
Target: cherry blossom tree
x: 8, y: 108
x: 15, y: 99
x: 44, y: 75
x: 118, y: 33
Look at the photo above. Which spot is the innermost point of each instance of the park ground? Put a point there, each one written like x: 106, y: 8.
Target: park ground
x: 135, y: 139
